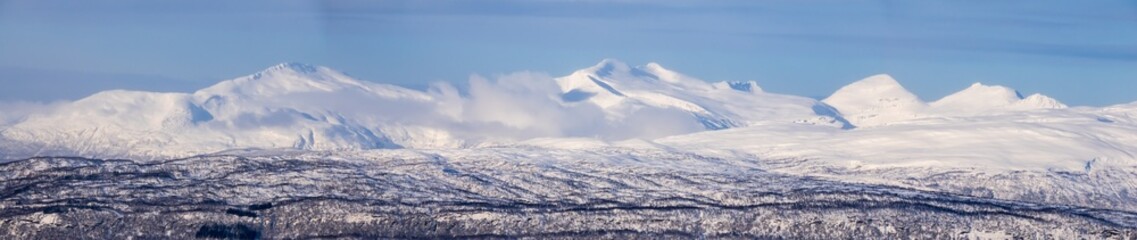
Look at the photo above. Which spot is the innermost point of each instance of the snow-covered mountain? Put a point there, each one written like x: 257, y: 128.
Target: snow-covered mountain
x: 876, y: 100
x: 1074, y: 141
x: 620, y: 89
x: 871, y: 122
x: 286, y: 106
x: 881, y: 100
x: 300, y: 106
x: 981, y: 98
x: 611, y: 148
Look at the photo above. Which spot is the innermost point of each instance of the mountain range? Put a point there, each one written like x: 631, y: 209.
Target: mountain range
x: 299, y: 106
x: 607, y: 150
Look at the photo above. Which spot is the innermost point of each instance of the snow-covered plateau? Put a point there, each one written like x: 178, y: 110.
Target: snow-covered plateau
x: 609, y: 151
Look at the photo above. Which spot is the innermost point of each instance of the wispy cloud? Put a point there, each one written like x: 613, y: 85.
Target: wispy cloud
x: 526, y: 105
x: 15, y: 111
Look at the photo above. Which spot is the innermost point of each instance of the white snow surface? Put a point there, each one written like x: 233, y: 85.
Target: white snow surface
x: 873, y: 123
x: 984, y: 98
x: 1067, y: 140
x: 876, y: 100
x: 621, y: 90
x: 881, y: 100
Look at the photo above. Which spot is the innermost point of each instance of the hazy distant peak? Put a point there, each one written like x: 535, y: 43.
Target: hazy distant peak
x: 980, y: 94
x: 874, y: 92
x: 981, y: 97
x: 606, y: 67
x: 284, y: 78
x: 293, y: 67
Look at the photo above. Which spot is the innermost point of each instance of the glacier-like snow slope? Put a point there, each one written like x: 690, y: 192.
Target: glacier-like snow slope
x: 979, y: 130
x: 1077, y: 141
x: 871, y: 123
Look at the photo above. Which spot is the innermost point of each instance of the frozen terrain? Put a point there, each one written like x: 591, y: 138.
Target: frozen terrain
x: 307, y: 107
x: 612, y: 150
x: 509, y: 193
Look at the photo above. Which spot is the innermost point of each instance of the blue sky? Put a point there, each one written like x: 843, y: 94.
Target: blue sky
x: 1081, y: 52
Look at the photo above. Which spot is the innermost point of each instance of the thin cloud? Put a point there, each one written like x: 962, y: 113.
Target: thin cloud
x: 12, y: 112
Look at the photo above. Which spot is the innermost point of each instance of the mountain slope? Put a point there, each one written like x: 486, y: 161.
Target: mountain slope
x: 979, y: 98
x: 881, y: 100
x: 875, y: 100
x: 635, y: 140
x: 300, y: 106
x: 275, y: 108
x: 305, y: 107
x: 1068, y: 142
x: 619, y: 88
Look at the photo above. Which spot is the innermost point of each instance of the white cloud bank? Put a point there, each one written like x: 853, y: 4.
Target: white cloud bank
x: 525, y: 105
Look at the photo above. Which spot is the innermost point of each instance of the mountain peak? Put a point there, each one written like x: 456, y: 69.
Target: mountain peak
x: 284, y: 78
x: 293, y: 66
x: 657, y: 71
x: 1039, y: 101
x: 979, y: 95
x: 293, y: 69
x: 876, y: 81
x: 875, y: 99
x: 880, y: 85
x: 607, y: 66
